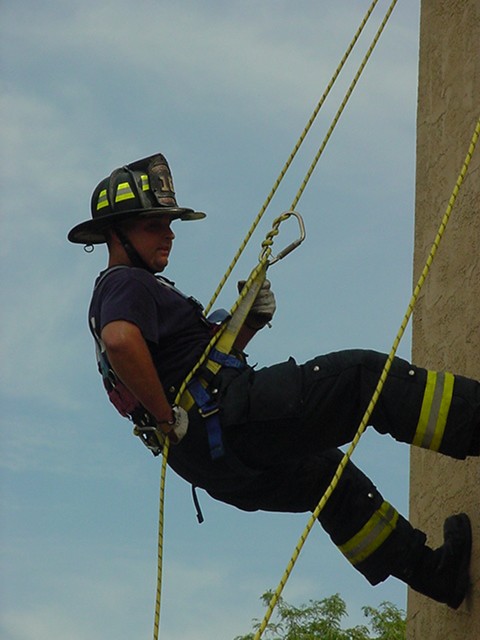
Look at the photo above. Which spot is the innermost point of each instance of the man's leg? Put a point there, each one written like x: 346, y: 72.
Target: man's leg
x: 436, y: 411
x: 379, y: 542
x: 287, y: 409
x: 369, y: 531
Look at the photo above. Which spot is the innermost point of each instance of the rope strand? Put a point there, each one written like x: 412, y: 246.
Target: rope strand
x: 343, y: 104
x: 161, y: 527
x: 291, y: 157
x: 376, y: 394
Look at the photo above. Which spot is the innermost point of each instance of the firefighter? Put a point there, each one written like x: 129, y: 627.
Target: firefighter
x: 266, y: 439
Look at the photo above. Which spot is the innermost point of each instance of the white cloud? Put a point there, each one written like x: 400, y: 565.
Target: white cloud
x: 250, y: 57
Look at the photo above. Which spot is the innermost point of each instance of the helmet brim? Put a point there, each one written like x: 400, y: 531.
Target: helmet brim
x: 94, y: 231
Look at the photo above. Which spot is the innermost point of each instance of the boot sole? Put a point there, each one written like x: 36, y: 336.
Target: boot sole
x: 459, y: 525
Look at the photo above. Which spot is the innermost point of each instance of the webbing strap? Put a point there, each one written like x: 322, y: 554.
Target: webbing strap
x: 206, y: 403
x: 226, y: 360
x: 208, y: 409
x: 226, y: 341
x: 225, y: 337
x: 217, y: 357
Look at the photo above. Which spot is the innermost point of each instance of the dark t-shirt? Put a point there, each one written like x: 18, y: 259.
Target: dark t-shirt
x: 173, y: 325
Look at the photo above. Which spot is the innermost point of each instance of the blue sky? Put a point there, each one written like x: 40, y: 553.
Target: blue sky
x: 223, y: 89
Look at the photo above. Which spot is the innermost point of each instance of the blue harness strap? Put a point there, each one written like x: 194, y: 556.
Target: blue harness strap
x: 208, y: 409
x: 207, y: 405
x: 225, y: 359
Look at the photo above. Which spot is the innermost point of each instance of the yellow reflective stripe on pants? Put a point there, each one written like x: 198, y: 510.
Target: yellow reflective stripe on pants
x: 372, y: 535
x: 434, y: 413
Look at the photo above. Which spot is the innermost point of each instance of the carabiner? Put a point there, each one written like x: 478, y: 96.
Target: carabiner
x: 293, y: 245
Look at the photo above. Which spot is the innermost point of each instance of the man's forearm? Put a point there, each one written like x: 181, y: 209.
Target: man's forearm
x: 244, y: 336
x: 130, y: 358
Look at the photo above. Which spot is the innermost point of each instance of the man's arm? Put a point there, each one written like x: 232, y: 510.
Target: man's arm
x: 244, y: 336
x: 130, y: 358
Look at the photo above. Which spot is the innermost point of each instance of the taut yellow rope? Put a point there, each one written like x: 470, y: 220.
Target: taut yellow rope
x: 364, y: 423
x: 344, y: 103
x: 292, y: 155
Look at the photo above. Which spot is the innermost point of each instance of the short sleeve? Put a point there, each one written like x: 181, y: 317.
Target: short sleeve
x: 125, y: 296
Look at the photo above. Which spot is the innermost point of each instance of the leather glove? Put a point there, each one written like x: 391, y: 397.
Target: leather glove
x: 180, y: 427
x: 263, y: 308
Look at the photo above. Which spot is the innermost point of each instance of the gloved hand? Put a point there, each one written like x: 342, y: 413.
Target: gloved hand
x: 263, y: 308
x: 180, y: 427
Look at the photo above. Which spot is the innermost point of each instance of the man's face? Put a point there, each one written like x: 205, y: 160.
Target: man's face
x: 153, y: 239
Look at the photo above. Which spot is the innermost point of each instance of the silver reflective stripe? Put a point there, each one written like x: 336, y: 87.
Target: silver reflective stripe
x: 145, y: 182
x: 102, y: 200
x: 434, y: 412
x: 372, y: 535
x: 124, y: 192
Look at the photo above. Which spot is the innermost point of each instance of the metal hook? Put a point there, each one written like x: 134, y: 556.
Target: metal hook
x: 296, y: 243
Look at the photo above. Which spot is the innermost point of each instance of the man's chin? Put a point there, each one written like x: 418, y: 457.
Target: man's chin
x: 159, y: 267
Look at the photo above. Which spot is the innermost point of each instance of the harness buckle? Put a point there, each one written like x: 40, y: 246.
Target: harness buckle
x: 206, y: 411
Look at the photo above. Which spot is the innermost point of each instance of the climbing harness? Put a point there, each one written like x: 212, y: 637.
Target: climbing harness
x: 217, y: 354
x: 119, y: 395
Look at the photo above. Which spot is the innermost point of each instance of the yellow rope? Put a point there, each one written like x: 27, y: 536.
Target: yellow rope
x: 378, y: 389
x: 344, y: 103
x: 291, y: 157
x: 161, y: 517
x: 266, y: 253
x: 161, y: 526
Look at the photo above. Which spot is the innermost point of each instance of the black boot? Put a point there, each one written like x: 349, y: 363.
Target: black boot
x: 443, y: 574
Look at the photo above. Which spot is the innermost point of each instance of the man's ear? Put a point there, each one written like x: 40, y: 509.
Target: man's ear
x: 114, y: 245
x: 112, y: 237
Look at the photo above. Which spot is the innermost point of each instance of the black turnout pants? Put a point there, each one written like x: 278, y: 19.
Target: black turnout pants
x: 282, y: 426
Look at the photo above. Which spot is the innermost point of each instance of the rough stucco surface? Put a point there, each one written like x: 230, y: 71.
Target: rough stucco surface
x: 446, y: 326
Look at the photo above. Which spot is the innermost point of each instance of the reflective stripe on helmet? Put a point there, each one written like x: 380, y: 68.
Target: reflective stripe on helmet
x: 434, y: 413
x: 145, y: 182
x: 124, y: 192
x: 372, y: 535
x: 102, y: 200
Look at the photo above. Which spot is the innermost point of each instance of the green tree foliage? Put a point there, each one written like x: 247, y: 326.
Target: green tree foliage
x: 322, y: 620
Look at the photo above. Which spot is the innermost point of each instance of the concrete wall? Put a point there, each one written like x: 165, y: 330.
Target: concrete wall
x: 446, y: 326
